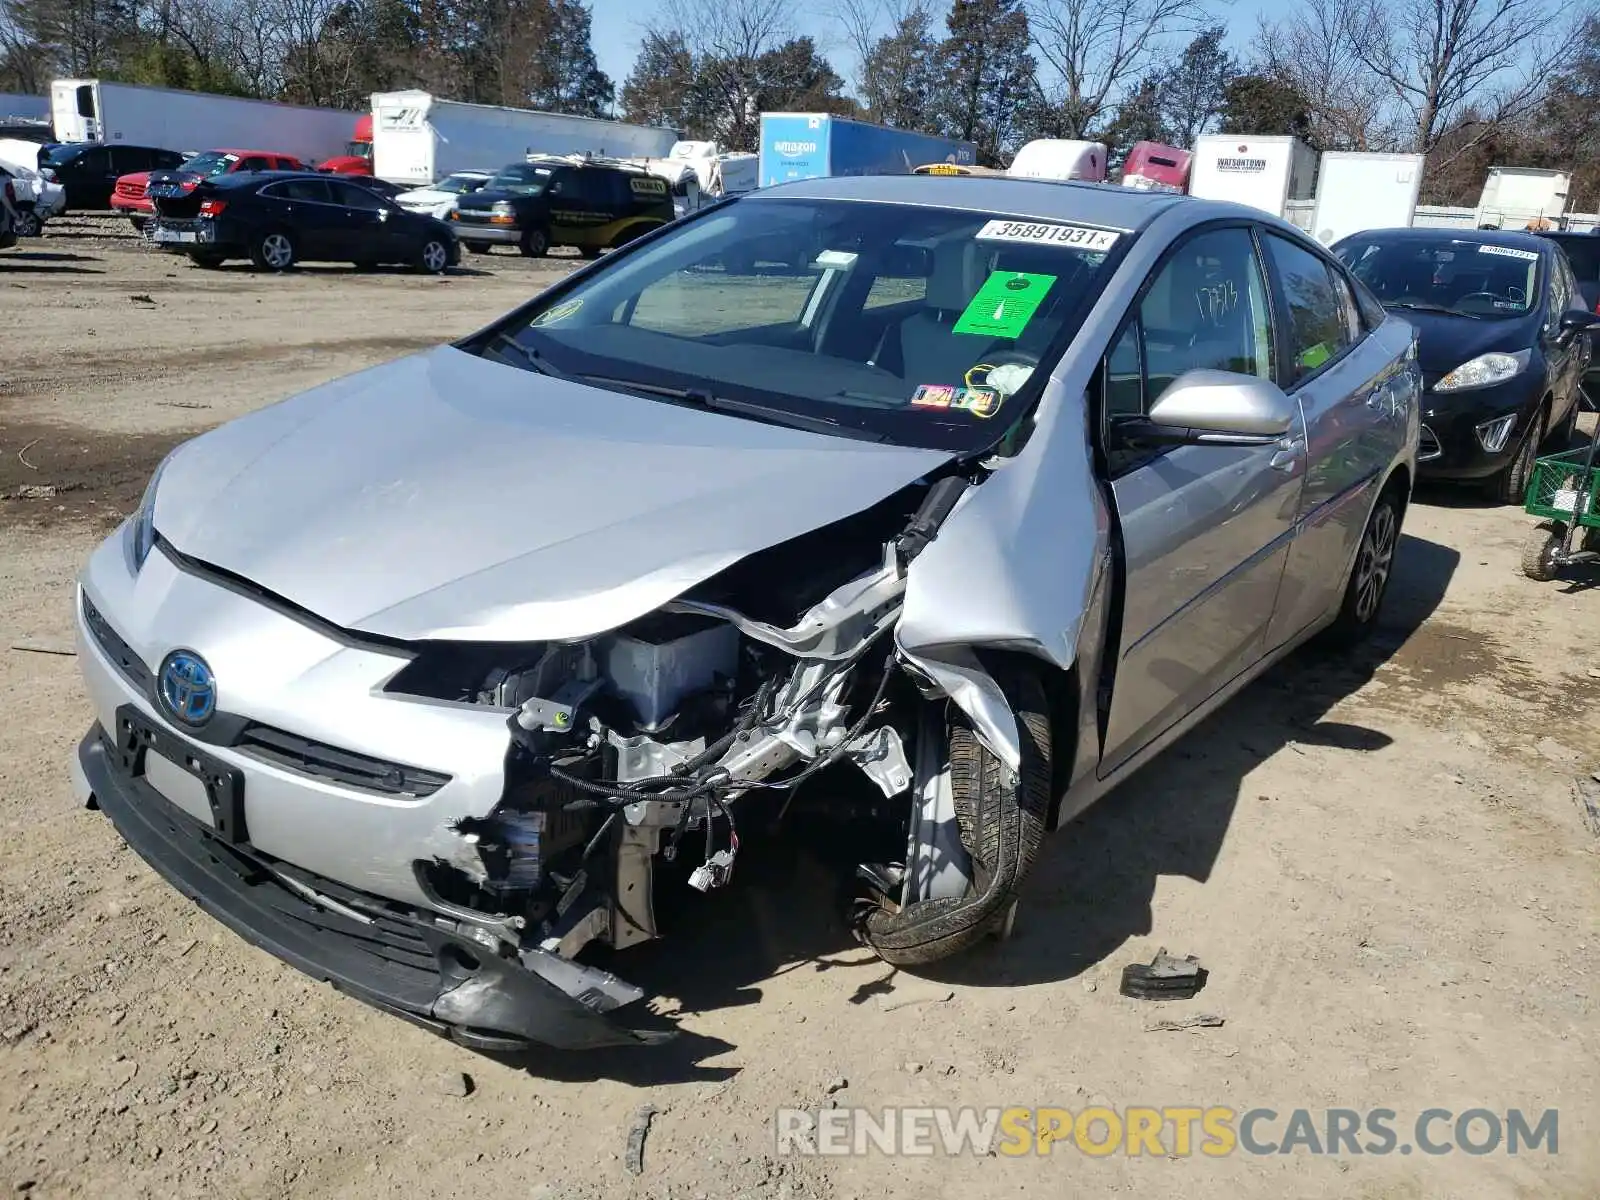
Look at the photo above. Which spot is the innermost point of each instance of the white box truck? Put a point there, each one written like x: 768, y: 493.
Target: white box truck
x: 418, y: 138
x: 1358, y: 191
x: 91, y: 110
x: 1515, y: 197
x: 1262, y: 172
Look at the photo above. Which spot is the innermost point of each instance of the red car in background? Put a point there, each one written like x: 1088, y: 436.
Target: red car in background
x: 128, y: 196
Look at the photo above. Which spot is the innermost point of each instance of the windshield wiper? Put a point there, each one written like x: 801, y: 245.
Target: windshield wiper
x: 532, y: 358
x: 701, y: 398
x: 1424, y: 306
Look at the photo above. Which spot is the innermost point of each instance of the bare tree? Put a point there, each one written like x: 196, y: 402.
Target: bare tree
x: 1443, y: 60
x: 865, y: 22
x: 1100, y: 46
x: 1310, y: 49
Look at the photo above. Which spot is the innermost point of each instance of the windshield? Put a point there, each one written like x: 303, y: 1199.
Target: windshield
x: 521, y: 178
x: 458, y: 185
x: 1460, y: 275
x: 913, y: 325
x: 212, y: 162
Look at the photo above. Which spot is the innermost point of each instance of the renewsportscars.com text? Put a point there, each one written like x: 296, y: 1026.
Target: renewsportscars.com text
x: 1181, y: 1131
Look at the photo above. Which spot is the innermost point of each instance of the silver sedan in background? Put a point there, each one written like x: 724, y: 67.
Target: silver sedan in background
x: 957, y: 498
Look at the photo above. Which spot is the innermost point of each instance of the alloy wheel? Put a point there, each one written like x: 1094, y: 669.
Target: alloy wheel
x: 435, y: 257
x: 1376, y: 558
x: 278, y: 251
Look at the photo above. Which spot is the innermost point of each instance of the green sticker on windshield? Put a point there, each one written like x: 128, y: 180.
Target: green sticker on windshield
x: 1004, y: 304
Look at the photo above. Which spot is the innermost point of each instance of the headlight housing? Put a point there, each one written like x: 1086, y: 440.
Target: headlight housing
x: 139, y: 534
x: 1484, y: 371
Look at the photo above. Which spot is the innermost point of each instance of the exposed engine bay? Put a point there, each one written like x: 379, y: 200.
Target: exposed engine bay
x: 644, y: 746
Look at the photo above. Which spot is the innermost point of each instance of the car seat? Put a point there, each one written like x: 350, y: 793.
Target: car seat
x: 922, y: 348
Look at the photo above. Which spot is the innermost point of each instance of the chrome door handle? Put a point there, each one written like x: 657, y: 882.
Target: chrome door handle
x: 1376, y: 397
x: 1289, y: 451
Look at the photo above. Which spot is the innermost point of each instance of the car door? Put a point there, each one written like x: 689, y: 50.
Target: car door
x: 92, y: 178
x: 306, y: 208
x: 368, y: 234
x: 1204, y: 530
x: 1344, y: 380
x: 1568, y: 358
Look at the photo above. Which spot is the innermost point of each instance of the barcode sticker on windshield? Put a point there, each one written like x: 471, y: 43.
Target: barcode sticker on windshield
x: 1509, y: 252
x: 1079, y: 237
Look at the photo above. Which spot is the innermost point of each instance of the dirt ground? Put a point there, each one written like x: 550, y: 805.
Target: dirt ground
x: 1379, y: 860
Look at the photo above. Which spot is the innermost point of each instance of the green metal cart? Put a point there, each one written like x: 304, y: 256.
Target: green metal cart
x: 1562, y: 491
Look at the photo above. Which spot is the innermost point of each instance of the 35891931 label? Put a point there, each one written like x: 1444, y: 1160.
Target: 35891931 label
x: 1079, y: 237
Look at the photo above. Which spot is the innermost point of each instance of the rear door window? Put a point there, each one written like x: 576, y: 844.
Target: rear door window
x: 1319, y: 331
x: 351, y: 196
x: 307, y: 191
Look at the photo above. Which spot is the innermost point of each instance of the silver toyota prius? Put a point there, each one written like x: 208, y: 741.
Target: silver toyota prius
x: 944, y: 502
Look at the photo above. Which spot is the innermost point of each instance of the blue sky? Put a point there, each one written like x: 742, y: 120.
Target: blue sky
x: 619, y: 24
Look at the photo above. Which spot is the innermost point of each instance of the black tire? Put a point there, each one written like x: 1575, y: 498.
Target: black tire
x: 365, y: 264
x: 1368, y: 584
x: 478, y: 247
x: 1539, y: 551
x: 535, y: 243
x: 589, y: 252
x: 432, y: 257
x: 274, y: 251
x: 139, y: 223
x: 29, y: 224
x: 1003, y: 821
x: 1511, y: 484
x: 208, y: 261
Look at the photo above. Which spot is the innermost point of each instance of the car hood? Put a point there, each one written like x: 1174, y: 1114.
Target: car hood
x: 448, y: 496
x: 137, y: 177
x: 421, y: 198
x: 1444, y: 341
x: 488, y: 197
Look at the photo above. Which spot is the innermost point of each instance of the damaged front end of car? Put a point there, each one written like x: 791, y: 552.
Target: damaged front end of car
x: 634, y: 755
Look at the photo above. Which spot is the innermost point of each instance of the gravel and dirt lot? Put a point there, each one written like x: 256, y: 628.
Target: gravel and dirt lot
x: 1378, y: 859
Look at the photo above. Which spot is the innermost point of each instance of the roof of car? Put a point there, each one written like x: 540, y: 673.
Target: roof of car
x: 247, y: 153
x: 246, y: 179
x: 1513, y: 238
x: 1101, y: 204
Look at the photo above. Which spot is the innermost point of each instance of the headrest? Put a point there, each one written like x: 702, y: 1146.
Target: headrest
x: 955, y: 277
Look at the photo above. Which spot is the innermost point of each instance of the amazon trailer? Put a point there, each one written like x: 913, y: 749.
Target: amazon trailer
x: 93, y: 110
x: 1357, y: 192
x: 1261, y: 172
x: 1060, y: 159
x: 819, y: 145
x: 1522, y: 198
x: 419, y: 138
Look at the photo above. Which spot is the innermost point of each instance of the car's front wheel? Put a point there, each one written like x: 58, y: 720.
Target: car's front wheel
x: 433, y: 257
x: 209, y: 261
x: 1511, y: 484
x: 29, y: 224
x: 273, y: 251
x: 535, y: 243
x: 1369, y: 574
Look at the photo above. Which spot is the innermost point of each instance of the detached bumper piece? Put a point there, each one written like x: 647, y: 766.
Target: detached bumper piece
x: 376, y: 951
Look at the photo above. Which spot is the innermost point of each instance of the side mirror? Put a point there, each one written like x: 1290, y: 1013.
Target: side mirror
x: 1574, y: 323
x: 1214, y: 408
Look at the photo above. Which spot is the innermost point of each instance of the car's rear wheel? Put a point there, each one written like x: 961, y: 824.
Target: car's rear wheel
x: 209, y: 261
x: 535, y: 243
x: 478, y: 247
x: 28, y: 223
x: 139, y: 223
x: 1511, y: 484
x: 589, y: 251
x: 1369, y: 574
x: 273, y: 251
x: 433, y: 257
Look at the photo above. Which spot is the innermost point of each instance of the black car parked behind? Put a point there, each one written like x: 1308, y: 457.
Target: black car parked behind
x: 89, y: 171
x: 279, y: 218
x: 1502, y: 338
x: 1583, y: 253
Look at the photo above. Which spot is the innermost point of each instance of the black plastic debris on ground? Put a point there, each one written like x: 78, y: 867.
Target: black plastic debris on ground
x: 1164, y: 977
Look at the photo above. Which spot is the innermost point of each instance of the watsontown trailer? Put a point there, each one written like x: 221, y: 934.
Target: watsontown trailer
x: 418, y: 138
x: 1263, y: 172
x: 1356, y: 192
x: 92, y: 110
x: 818, y: 145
